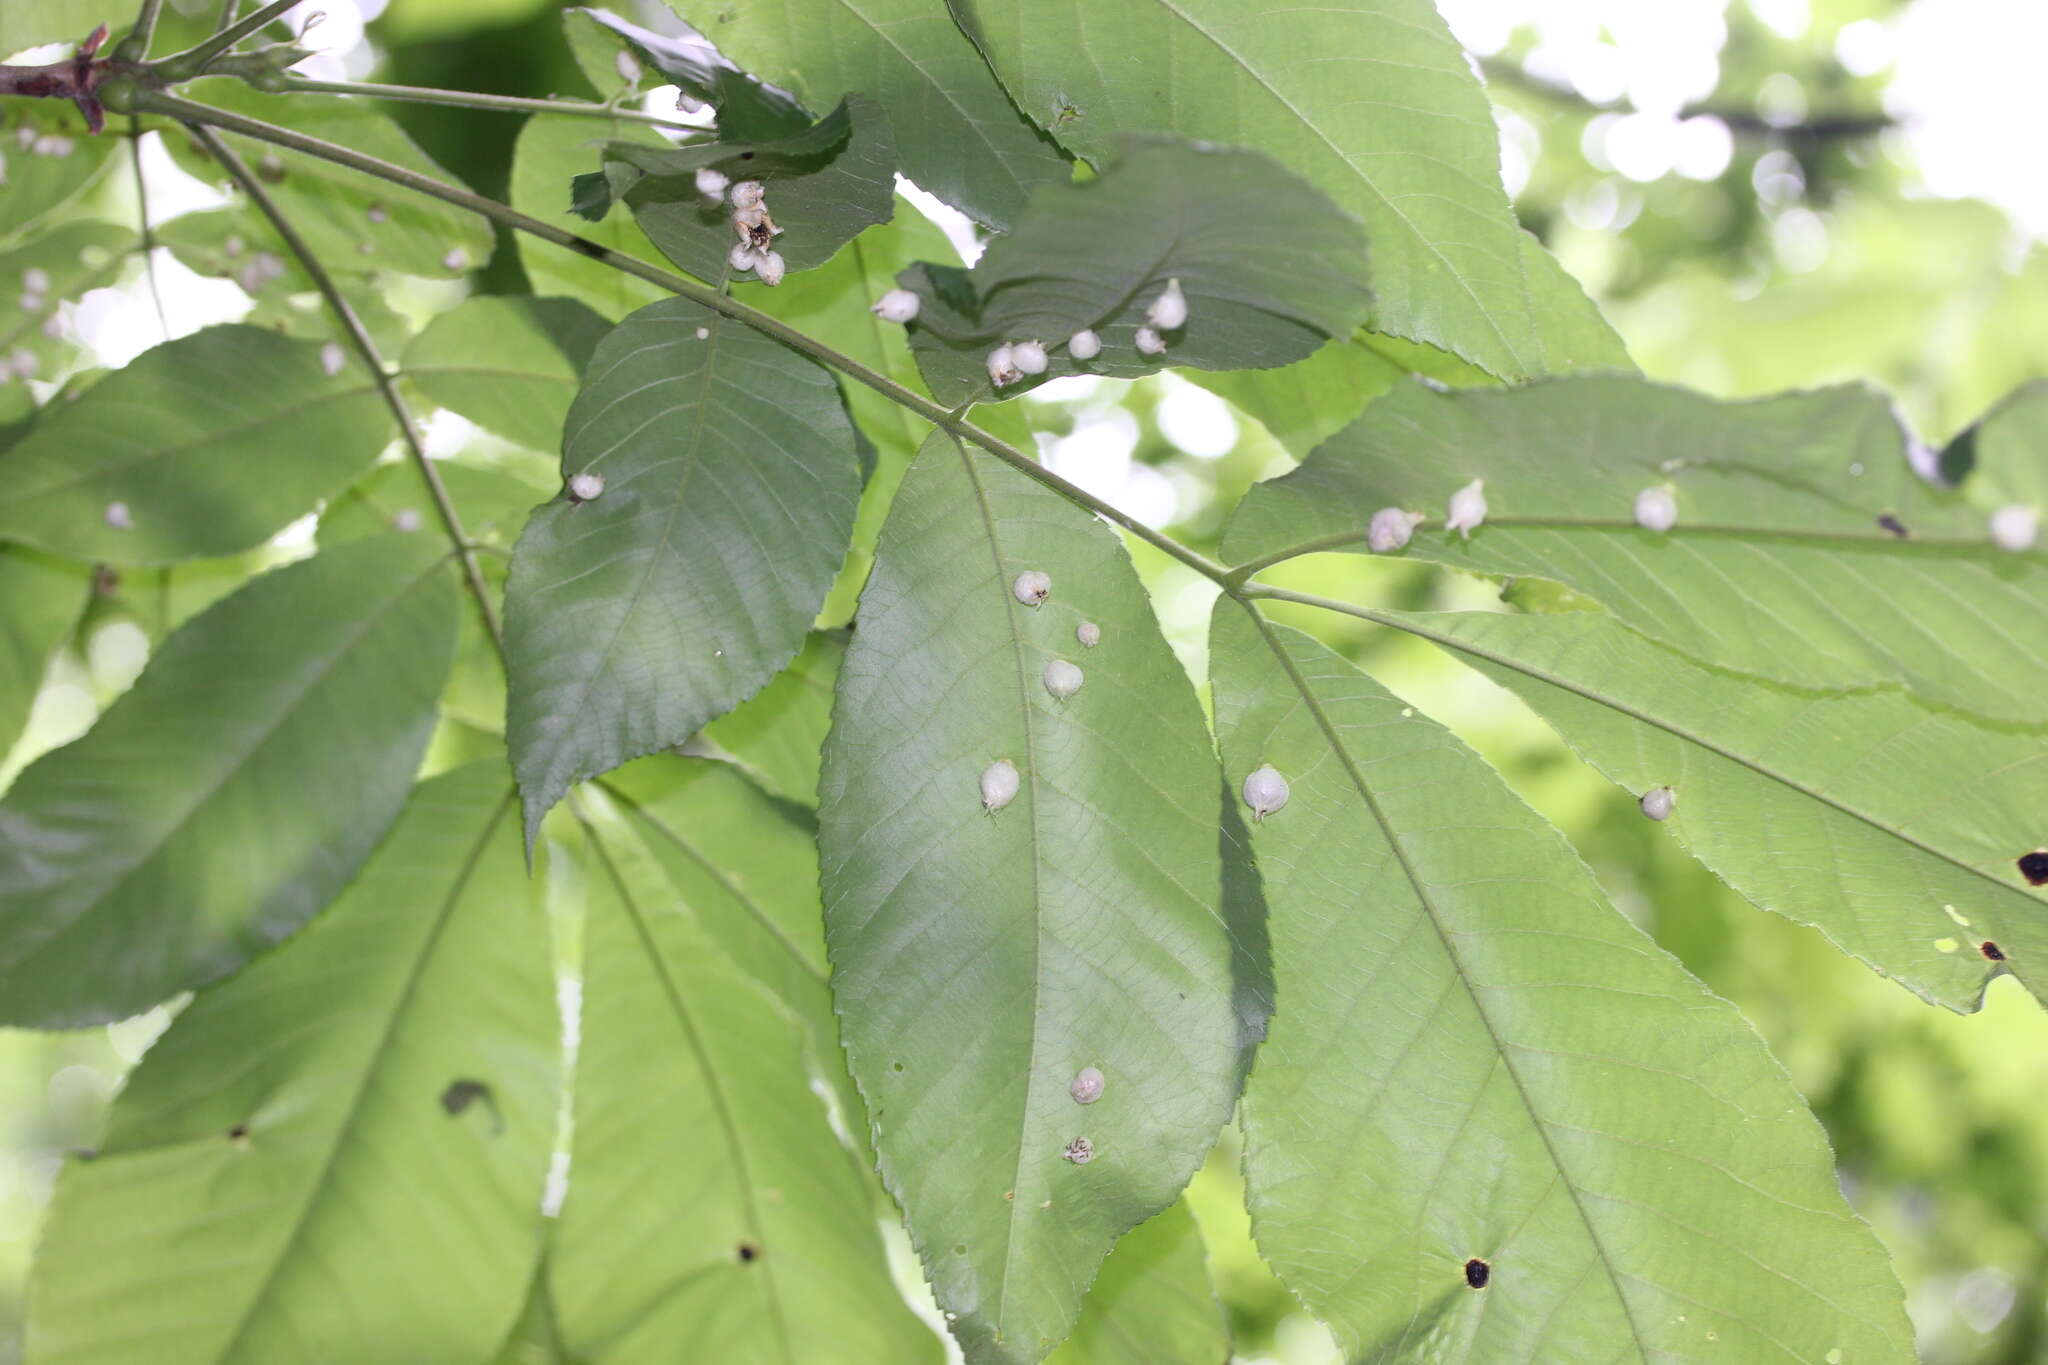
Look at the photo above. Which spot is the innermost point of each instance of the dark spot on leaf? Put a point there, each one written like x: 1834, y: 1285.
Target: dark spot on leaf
x: 747, y: 1252
x: 461, y: 1094
x: 899, y: 1066
x: 2034, y: 867
x: 746, y: 156
x: 238, y: 1132
x: 959, y: 1248
x: 104, y: 580
x: 85, y: 1154
x: 1992, y: 952
x: 1893, y: 524
x: 1477, y: 1273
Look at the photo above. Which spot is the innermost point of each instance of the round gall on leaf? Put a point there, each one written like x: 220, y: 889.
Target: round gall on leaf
x: 999, y: 785
x: 1062, y: 679
x: 583, y: 487
x: 1089, y: 634
x: 1080, y: 1151
x: 1084, y: 345
x: 118, y: 517
x: 1658, y: 802
x: 1265, y: 791
x: 1468, y: 508
x: 332, y: 358
x: 712, y: 183
x: 741, y: 257
x: 1657, y: 508
x: 1002, y: 366
x: 2014, y: 527
x: 1149, y: 342
x: 1029, y: 356
x: 747, y: 194
x: 1087, y: 1086
x: 1390, y: 530
x: 1032, y: 587
x: 898, y: 305
x: 1170, y: 310
x: 768, y: 267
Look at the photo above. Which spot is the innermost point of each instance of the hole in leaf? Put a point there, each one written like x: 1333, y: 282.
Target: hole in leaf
x: 2034, y: 867
x: 1992, y: 952
x: 1477, y: 1273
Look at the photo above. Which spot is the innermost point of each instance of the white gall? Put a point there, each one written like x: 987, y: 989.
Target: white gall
x: 332, y: 358
x: 1032, y: 587
x: 629, y: 69
x: 405, y: 519
x: 768, y: 267
x: 898, y: 305
x: 741, y: 257
x: 1080, y: 1151
x: 117, y: 516
x: 1657, y: 508
x: 747, y: 194
x: 1029, y: 357
x: 585, y: 486
x: 1062, y: 679
x: 1087, y: 1086
x: 1169, y: 312
x: 1089, y: 634
x: 457, y: 259
x: 1084, y: 345
x: 1002, y: 366
x: 1390, y: 529
x: 999, y: 784
x: 1265, y: 791
x: 35, y: 281
x: 1149, y: 342
x: 712, y: 183
x: 2014, y: 527
x: 1468, y: 508
x: 1658, y: 802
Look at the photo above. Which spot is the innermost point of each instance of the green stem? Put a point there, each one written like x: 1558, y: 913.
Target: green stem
x: 159, y: 102
x: 200, y: 54
x: 156, y: 294
x: 366, y: 348
x: 135, y: 47
x: 464, y: 99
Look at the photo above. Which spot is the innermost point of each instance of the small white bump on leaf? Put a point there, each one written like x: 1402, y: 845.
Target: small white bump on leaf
x: 740, y: 257
x: 585, y: 486
x: 1657, y: 508
x: 629, y: 69
x: 118, y: 516
x: 1149, y: 342
x: 1084, y: 345
x: 405, y: 519
x: 1390, y: 529
x: 1089, y: 634
x: 1087, y: 1086
x: 703, y: 334
x: 1169, y: 311
x: 456, y: 259
x: 25, y: 363
x: 332, y: 358
x: 1659, y: 802
x: 1468, y: 508
x: 1080, y: 1151
x: 2014, y: 527
x: 1029, y: 356
x: 768, y: 267
x: 1265, y: 791
x: 1032, y: 587
x: 1002, y: 366
x: 35, y: 281
x: 999, y: 785
x: 1062, y: 679
x: 747, y: 194
x: 712, y: 183
x: 898, y: 305
x: 375, y: 213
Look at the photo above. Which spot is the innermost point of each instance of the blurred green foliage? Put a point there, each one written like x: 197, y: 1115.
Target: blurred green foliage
x: 1811, y: 258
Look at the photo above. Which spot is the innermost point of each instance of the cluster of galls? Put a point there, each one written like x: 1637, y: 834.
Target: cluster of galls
x: 755, y: 251
x: 1016, y: 360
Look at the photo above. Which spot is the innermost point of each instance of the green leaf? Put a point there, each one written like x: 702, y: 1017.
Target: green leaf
x: 1786, y: 562
x: 41, y: 600
x: 493, y: 503
x: 746, y: 108
x: 823, y: 186
x: 31, y: 23
x: 778, y: 735
x: 1371, y: 100
x: 340, y: 1150
x: 1097, y: 255
x: 1476, y: 1058
x: 60, y: 161
x: 1998, y: 459
x: 210, y: 443
x: 711, y: 1203
x: 222, y: 800
x: 346, y: 217
x: 548, y: 154
x: 75, y: 257
x: 980, y: 961
x: 1892, y: 826
x: 1152, y: 1304
x: 231, y: 244
x: 730, y: 487
x: 956, y: 132
x: 509, y: 364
